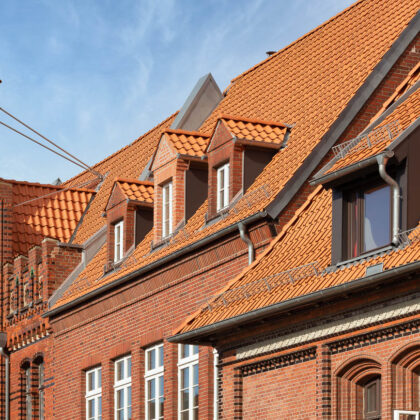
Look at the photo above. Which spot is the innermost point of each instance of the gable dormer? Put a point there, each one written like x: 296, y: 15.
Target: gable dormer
x: 237, y: 152
x: 179, y: 169
x: 129, y: 214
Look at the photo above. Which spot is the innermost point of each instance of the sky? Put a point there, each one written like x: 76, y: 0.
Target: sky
x: 94, y: 75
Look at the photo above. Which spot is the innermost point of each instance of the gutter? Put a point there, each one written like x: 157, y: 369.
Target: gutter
x: 287, y: 305
x: 3, y: 353
x: 158, y: 263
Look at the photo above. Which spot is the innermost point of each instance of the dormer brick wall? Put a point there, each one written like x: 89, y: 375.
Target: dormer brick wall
x: 130, y: 201
x: 179, y: 159
x: 248, y: 146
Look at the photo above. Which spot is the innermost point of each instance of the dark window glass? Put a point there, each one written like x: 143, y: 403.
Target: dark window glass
x: 376, y: 226
x: 372, y: 399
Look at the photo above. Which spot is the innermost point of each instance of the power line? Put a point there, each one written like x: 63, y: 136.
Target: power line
x: 85, y: 166
x: 42, y: 145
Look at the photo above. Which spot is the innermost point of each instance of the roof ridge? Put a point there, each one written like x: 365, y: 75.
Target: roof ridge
x: 270, y: 247
x: 156, y: 127
x: 296, y: 41
x: 190, y: 133
x: 134, y: 181
x: 252, y: 120
x: 34, y: 184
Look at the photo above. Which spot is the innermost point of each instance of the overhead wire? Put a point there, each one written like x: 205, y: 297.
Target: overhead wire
x: 81, y: 164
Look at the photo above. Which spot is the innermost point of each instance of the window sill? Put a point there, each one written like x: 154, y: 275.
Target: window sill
x: 369, y: 254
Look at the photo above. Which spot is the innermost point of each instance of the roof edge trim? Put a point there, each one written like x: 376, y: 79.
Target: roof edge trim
x: 292, y: 303
x: 345, y: 118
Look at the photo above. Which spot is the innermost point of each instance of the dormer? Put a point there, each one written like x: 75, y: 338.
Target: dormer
x: 237, y: 152
x: 129, y: 215
x: 179, y: 169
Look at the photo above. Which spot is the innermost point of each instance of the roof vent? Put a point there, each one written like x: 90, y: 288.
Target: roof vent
x: 269, y: 53
x: 374, y: 269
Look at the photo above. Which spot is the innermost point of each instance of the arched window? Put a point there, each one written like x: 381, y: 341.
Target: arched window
x: 26, y: 391
x: 371, y: 389
x: 39, y: 396
x: 358, y: 390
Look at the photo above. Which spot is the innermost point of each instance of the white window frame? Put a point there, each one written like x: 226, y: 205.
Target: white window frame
x: 155, y: 374
x: 167, y: 215
x: 118, y: 241
x: 95, y: 393
x: 215, y: 385
x: 123, y: 384
x: 397, y: 414
x: 183, y: 363
x: 222, y: 174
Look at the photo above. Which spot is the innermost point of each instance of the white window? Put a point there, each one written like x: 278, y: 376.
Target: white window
x: 154, y: 382
x: 167, y: 209
x: 406, y: 415
x: 188, y: 382
x: 94, y: 394
x: 215, y: 385
x: 122, y: 388
x: 223, y: 186
x: 118, y: 241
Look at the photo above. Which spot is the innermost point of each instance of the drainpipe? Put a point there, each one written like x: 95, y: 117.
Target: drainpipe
x: 244, y: 236
x: 382, y: 161
x: 3, y: 342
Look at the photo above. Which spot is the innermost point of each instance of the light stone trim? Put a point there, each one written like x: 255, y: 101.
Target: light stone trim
x: 379, y: 315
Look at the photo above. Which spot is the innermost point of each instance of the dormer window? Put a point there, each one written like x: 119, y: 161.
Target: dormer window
x: 167, y: 209
x: 368, y: 219
x: 222, y: 187
x: 118, y: 241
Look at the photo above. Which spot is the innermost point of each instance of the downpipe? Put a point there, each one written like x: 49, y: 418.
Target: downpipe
x: 245, y: 237
x: 3, y: 353
x: 395, y: 188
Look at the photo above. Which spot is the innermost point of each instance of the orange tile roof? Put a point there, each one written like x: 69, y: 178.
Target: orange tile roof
x: 340, y: 54
x: 403, y: 116
x: 294, y: 265
x: 45, y: 211
x: 255, y: 130
x: 137, y: 190
x: 187, y: 143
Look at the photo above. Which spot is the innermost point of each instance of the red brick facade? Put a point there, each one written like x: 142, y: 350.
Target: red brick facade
x: 319, y: 376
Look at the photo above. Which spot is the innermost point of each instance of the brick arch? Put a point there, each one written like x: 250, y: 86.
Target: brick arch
x: 26, y: 362
x: 405, y: 377
x: 38, y: 358
x: 350, y: 377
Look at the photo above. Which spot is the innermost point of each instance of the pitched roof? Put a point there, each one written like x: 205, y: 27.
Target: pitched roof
x: 43, y: 210
x: 309, y: 84
x: 136, y: 190
x: 188, y: 143
x: 295, y: 265
x: 379, y: 139
x: 255, y: 130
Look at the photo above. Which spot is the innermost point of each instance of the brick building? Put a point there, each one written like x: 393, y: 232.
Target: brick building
x: 234, y: 225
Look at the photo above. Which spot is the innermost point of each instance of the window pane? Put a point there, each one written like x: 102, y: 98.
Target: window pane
x: 100, y: 407
x: 151, y: 359
x: 377, y: 218
x: 185, y: 350
x: 129, y: 367
x: 99, y: 378
x: 91, y: 409
x: 195, y: 375
x: 185, y: 378
x: 184, y: 400
x: 161, y: 386
x: 129, y: 401
x: 91, y: 381
x: 161, y: 356
x: 151, y: 389
x: 195, y: 396
x: 120, y: 370
x: 120, y: 399
x: 151, y: 408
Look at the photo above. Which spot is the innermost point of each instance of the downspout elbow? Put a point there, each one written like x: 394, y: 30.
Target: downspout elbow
x: 395, y: 188
x: 245, y: 237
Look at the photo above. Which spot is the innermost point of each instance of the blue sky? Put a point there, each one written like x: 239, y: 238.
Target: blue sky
x: 95, y: 75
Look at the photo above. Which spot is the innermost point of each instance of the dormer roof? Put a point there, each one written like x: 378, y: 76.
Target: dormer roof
x: 140, y: 192
x: 248, y: 131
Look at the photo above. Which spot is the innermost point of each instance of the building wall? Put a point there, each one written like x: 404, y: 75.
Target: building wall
x: 142, y: 314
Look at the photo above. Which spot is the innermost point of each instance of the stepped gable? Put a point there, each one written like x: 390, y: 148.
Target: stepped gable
x: 308, y: 84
